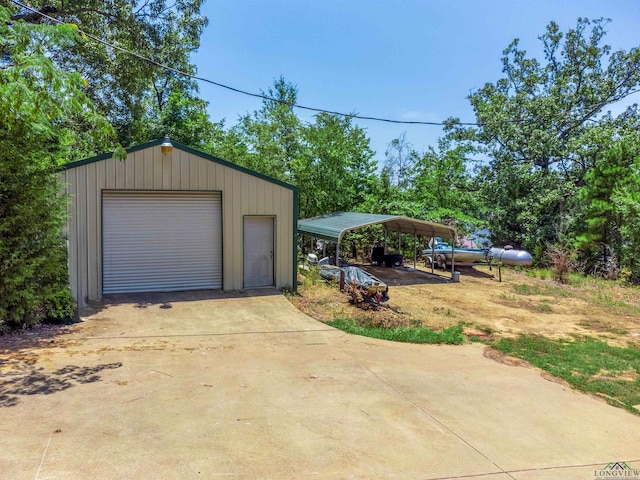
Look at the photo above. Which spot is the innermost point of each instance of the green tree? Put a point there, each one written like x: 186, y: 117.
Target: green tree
x: 127, y: 90
x: 387, y: 198
x: 445, y: 188
x: 626, y: 198
x: 227, y: 143
x: 273, y: 134
x: 544, y: 125
x: 400, y: 160
x: 184, y: 119
x: 525, y: 208
x: 335, y: 173
x: 330, y: 160
x: 45, y: 119
x: 611, y: 199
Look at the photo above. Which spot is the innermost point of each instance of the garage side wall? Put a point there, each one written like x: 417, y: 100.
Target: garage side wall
x: 149, y: 169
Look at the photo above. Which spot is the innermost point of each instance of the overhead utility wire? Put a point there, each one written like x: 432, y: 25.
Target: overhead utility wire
x: 237, y: 90
x: 258, y: 95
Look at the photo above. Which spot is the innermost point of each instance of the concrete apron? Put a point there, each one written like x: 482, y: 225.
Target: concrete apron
x: 248, y: 387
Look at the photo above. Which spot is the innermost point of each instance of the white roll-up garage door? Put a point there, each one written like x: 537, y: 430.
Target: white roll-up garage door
x: 161, y: 241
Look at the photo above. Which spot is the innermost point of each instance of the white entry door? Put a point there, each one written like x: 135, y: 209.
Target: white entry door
x: 258, y: 252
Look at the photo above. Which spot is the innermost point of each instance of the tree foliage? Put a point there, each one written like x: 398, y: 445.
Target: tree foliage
x: 128, y: 91
x: 45, y: 120
x: 336, y: 168
x: 400, y: 160
x: 544, y: 126
x: 536, y: 114
x: 329, y: 159
x: 444, y: 187
x: 611, y: 209
x: 546, y: 165
x: 184, y: 118
x: 273, y: 134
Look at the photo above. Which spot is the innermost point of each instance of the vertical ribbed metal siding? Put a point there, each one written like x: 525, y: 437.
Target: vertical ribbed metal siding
x: 161, y: 241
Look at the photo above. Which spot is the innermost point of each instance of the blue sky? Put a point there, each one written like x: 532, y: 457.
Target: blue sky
x: 406, y: 60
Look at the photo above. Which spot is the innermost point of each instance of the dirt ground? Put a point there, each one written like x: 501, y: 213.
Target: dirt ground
x: 520, y: 304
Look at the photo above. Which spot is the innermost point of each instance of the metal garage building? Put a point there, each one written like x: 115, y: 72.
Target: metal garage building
x: 181, y: 220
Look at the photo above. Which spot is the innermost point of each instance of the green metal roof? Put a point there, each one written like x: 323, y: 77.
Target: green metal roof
x: 333, y: 226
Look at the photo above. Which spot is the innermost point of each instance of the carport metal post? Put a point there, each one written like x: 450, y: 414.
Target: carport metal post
x: 433, y: 253
x: 338, y: 247
x: 415, y: 246
x: 453, y: 255
x: 385, y: 241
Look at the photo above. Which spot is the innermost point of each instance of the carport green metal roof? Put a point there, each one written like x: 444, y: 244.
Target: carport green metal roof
x: 333, y: 226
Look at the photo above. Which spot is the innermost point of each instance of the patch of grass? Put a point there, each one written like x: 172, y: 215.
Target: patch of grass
x: 543, y: 307
x: 579, y: 279
x: 414, y: 334
x: 605, y: 299
x: 527, y: 289
x: 587, y: 364
x: 312, y: 276
x: 507, y: 296
x: 547, y: 289
x: 486, y: 329
x: 558, y: 290
x: 600, y: 326
x: 443, y: 311
x: 618, y: 331
x: 540, y: 273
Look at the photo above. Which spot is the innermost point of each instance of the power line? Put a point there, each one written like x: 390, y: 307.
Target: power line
x: 234, y: 89
x: 265, y: 97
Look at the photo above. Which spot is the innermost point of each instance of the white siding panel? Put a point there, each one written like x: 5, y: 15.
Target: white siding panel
x: 161, y: 241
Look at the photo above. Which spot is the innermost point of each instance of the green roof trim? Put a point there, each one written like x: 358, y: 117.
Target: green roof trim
x: 107, y: 155
x: 187, y: 149
x: 333, y: 226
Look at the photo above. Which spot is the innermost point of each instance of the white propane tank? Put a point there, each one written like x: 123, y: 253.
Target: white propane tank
x: 509, y: 256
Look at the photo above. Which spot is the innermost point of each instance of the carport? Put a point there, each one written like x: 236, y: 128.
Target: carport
x: 332, y: 227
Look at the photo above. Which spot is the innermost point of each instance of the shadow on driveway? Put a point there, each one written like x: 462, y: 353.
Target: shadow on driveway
x: 21, y: 376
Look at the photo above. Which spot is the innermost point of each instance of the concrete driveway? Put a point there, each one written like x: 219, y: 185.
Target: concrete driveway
x: 213, y: 385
